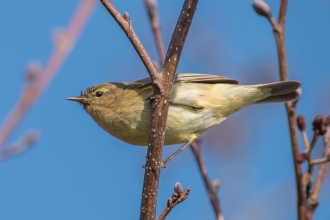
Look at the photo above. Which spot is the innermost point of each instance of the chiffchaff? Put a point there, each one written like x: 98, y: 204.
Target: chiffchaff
x: 198, y: 102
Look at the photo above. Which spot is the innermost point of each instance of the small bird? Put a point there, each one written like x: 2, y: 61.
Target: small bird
x: 198, y: 102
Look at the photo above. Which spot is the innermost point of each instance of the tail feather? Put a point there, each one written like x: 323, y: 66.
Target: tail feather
x: 281, y: 91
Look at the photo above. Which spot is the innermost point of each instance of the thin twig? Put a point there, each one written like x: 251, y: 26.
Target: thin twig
x: 210, y: 190
x: 26, y: 142
x: 63, y: 46
x: 313, y: 199
x: 311, y: 162
x: 177, y: 197
x: 151, y: 6
x: 291, y: 111
x: 126, y: 25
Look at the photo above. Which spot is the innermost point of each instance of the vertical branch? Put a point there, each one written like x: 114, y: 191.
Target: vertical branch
x: 263, y: 9
x: 162, y: 86
x: 151, y: 6
x: 291, y: 110
x: 313, y: 200
x: 160, y: 103
x: 210, y: 190
x: 63, y: 46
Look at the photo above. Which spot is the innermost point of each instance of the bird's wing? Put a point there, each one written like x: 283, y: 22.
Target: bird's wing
x: 203, y: 78
x: 189, y: 78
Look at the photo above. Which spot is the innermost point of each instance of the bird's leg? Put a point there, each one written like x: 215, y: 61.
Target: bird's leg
x: 189, y: 104
x: 163, y: 163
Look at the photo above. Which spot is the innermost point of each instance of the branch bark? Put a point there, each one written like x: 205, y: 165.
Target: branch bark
x: 126, y: 25
x: 210, y: 190
x: 177, y: 197
x: 313, y: 200
x: 162, y: 86
x: 151, y: 6
x: 160, y: 103
x: 63, y: 46
x: 290, y: 109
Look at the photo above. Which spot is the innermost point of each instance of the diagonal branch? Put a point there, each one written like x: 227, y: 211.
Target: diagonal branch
x: 126, y: 25
x: 63, y: 46
x: 160, y: 104
x: 151, y: 6
x: 210, y: 190
x: 177, y: 197
x: 313, y: 200
x: 26, y: 142
x: 162, y: 86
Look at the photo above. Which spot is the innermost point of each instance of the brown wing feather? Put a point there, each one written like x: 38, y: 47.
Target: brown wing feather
x: 189, y: 77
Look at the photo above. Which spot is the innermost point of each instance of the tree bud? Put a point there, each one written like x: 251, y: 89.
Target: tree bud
x: 178, y: 188
x: 262, y: 8
x: 301, y: 157
x: 318, y: 125
x: 327, y: 121
x: 301, y: 122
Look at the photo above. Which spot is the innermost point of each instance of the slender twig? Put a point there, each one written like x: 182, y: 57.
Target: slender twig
x: 320, y: 160
x: 177, y: 197
x: 311, y: 162
x: 313, y: 199
x: 291, y: 111
x: 126, y: 25
x: 151, y: 6
x: 210, y: 190
x: 63, y: 46
x: 263, y: 9
x: 26, y: 142
x: 305, y: 139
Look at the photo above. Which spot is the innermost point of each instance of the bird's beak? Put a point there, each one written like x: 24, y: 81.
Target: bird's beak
x: 81, y: 99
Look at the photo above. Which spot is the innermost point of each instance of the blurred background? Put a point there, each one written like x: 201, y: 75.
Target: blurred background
x: 78, y: 171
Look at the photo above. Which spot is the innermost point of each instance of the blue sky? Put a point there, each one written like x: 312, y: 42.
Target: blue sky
x: 77, y: 171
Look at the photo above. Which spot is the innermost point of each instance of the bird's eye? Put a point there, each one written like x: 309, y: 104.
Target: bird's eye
x: 98, y: 94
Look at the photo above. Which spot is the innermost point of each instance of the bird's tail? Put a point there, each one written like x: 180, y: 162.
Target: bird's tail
x: 285, y: 91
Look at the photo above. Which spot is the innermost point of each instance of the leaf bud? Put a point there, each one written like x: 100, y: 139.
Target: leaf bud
x: 319, y: 125
x: 301, y: 122
x: 261, y: 8
x: 301, y: 157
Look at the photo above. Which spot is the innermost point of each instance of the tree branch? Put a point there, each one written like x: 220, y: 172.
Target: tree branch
x: 151, y: 6
x: 313, y: 200
x: 263, y: 9
x: 126, y: 25
x: 162, y: 86
x: 160, y: 103
x: 26, y: 142
x: 210, y: 189
x: 177, y: 197
x: 63, y: 45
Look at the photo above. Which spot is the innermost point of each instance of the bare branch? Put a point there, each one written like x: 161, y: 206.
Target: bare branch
x: 151, y: 6
x: 25, y: 143
x: 177, y: 197
x: 278, y: 29
x: 209, y: 187
x: 282, y: 15
x: 160, y: 103
x: 313, y: 200
x: 126, y: 25
x: 63, y: 46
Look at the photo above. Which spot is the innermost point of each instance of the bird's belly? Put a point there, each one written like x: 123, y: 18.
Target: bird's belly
x: 182, y: 123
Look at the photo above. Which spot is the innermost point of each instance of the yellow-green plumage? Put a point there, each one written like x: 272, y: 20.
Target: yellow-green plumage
x: 198, y: 102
